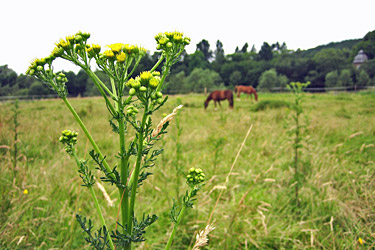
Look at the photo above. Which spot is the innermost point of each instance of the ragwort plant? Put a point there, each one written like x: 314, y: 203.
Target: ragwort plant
x: 131, y: 102
x: 297, y: 131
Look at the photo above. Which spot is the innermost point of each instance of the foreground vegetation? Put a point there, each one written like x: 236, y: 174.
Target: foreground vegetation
x: 257, y: 208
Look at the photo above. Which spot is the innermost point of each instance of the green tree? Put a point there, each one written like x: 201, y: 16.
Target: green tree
x: 204, y: 47
x: 235, y: 78
x: 268, y: 80
x: 363, y: 79
x: 265, y: 52
x: 244, y: 48
x: 38, y: 88
x: 202, y: 78
x: 332, y: 79
x: 367, y: 45
x: 345, y: 78
x: 176, y: 84
x: 8, y: 76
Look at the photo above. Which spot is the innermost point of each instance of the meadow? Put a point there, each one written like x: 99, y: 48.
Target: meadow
x: 256, y: 209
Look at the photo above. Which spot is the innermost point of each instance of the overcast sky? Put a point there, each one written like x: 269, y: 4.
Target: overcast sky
x: 29, y: 29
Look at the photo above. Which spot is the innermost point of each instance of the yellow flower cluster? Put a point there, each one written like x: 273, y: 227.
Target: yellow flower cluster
x: 144, y: 82
x: 169, y: 40
x: 93, y: 50
x: 120, y: 52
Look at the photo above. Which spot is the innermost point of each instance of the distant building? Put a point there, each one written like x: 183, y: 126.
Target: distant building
x: 359, y: 59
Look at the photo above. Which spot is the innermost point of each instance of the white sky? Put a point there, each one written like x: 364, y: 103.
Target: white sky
x: 29, y: 29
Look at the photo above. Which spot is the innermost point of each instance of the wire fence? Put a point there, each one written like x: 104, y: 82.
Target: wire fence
x: 205, y: 91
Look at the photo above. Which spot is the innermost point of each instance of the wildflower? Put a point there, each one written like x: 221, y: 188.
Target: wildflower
x: 360, y: 241
x: 90, y: 52
x: 109, y: 54
x: 132, y: 91
x: 116, y: 47
x: 195, y: 176
x: 121, y: 57
x: 154, y: 82
x: 145, y: 77
x: 143, y: 89
x: 57, y: 52
x: 96, y: 48
x: 25, y: 191
x: 133, y: 83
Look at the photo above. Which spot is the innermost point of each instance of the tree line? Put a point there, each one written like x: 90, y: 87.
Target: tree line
x: 274, y: 65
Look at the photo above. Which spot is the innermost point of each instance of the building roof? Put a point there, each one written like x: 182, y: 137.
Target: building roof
x: 361, y: 57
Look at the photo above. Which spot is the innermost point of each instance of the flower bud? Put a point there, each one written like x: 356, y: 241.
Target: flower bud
x: 121, y: 57
x: 159, y: 94
x: 78, y: 38
x: 132, y: 91
x: 39, y: 68
x: 154, y: 82
x: 143, y: 89
x: 160, y: 100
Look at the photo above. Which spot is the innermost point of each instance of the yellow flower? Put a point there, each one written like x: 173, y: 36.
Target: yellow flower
x: 90, y: 52
x: 154, y: 82
x: 96, y: 48
x: 121, y: 57
x: 63, y: 44
x: 360, y: 241
x: 109, y: 54
x: 128, y: 48
x: 116, y: 47
x: 70, y: 39
x: 25, y: 191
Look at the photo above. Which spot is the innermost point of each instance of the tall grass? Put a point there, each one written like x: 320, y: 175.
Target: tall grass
x: 255, y: 210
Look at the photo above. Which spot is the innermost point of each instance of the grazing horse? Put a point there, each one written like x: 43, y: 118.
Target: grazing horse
x: 245, y: 89
x: 219, y: 95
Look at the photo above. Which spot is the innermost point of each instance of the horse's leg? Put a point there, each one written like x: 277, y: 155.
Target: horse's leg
x: 219, y: 104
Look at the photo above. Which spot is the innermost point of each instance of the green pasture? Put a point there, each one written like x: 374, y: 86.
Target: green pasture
x: 257, y: 208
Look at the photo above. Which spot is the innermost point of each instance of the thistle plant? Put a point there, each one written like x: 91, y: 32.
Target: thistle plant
x: 298, y: 129
x: 131, y: 102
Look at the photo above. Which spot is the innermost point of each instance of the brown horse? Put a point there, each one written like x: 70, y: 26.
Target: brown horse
x: 245, y: 89
x: 219, y: 95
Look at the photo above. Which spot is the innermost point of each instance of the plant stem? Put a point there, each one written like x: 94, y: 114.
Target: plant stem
x: 124, y: 169
x: 137, y: 166
x: 92, y: 192
x: 101, y: 216
x: 88, y: 135
x: 179, y: 218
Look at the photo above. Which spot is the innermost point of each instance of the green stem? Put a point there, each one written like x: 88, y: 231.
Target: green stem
x: 99, y: 84
x: 101, y: 216
x: 124, y: 170
x: 157, y: 63
x: 179, y: 218
x: 88, y: 135
x: 92, y: 192
x: 137, y: 166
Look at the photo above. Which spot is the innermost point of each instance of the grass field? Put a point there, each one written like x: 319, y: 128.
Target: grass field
x: 257, y: 208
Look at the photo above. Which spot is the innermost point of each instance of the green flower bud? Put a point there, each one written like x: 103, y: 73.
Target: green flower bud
x: 78, y: 38
x: 159, y: 94
x: 39, y: 68
x: 132, y: 91
x: 160, y: 100
x: 169, y: 45
x: 143, y: 89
